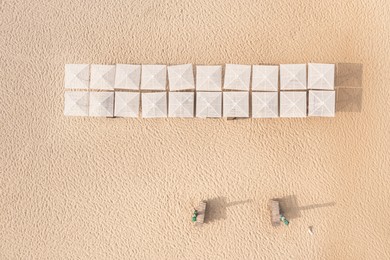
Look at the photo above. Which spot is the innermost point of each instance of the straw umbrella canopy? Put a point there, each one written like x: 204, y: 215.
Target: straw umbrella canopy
x: 101, y: 104
x: 209, y: 104
x: 153, y: 77
x: 235, y: 104
x: 208, y: 78
x: 265, y: 78
x: 181, y: 77
x: 265, y: 104
x: 321, y: 76
x: 154, y: 105
x: 293, y: 103
x: 102, y: 77
x: 127, y: 76
x: 292, y: 76
x: 322, y: 103
x: 77, y: 76
x: 76, y: 103
x: 237, y: 77
x: 126, y: 104
x: 181, y: 104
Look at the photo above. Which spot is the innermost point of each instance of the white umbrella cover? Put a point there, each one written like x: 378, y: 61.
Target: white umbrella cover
x: 101, y: 104
x: 208, y: 78
x: 209, y: 104
x: 127, y: 76
x: 321, y: 76
x: 292, y: 76
x: 181, y: 77
x: 236, y: 104
x: 126, y: 104
x: 77, y: 76
x: 181, y: 104
x: 293, y: 103
x: 322, y: 103
x: 154, y: 105
x: 265, y: 78
x: 237, y: 77
x: 265, y: 104
x: 102, y: 77
x: 76, y: 103
x: 153, y: 77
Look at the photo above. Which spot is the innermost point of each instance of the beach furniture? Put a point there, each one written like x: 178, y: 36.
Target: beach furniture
x: 153, y: 77
x: 181, y: 77
x: 76, y: 103
x: 265, y: 78
x: 126, y: 104
x: 322, y: 103
x: 275, y: 212
x: 181, y: 104
x: 102, y: 77
x: 76, y: 76
x: 208, y: 78
x: 208, y: 104
x: 201, y: 212
x: 265, y: 104
x: 293, y: 76
x: 154, y: 105
x: 237, y: 77
x: 321, y: 76
x: 293, y: 103
x: 127, y: 76
x: 236, y: 104
x: 101, y: 104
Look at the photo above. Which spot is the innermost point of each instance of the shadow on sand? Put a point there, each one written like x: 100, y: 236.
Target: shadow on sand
x: 349, y: 87
x: 216, y: 208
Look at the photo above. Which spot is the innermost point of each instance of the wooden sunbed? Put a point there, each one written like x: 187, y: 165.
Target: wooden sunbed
x: 201, y: 213
x: 275, y: 212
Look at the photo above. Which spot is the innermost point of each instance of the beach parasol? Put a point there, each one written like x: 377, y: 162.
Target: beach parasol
x: 208, y: 78
x: 293, y: 103
x: 76, y: 103
x: 209, y: 104
x: 322, y: 103
x: 101, y: 104
x: 237, y: 77
x: 154, y: 105
x: 265, y: 78
x: 77, y: 76
x: 292, y: 76
x: 181, y: 77
x: 236, y: 104
x: 127, y: 76
x: 153, y: 77
x: 265, y: 104
x: 321, y: 76
x: 181, y: 104
x: 126, y: 104
x: 102, y: 77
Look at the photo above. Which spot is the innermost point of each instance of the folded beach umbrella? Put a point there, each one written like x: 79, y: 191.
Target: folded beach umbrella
x: 126, y: 104
x: 235, y: 104
x: 322, y: 103
x: 265, y: 78
x: 237, y: 77
x: 127, y: 76
x: 77, y: 76
x: 76, y: 103
x: 102, y: 77
x: 153, y: 77
x: 208, y: 78
x: 321, y: 76
x: 181, y: 104
x: 265, y: 104
x: 293, y: 103
x: 101, y: 104
x: 181, y: 77
x: 154, y: 105
x: 209, y: 104
x: 292, y: 76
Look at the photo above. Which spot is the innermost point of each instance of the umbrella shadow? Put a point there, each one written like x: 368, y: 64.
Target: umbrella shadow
x: 217, y: 208
x: 349, y: 87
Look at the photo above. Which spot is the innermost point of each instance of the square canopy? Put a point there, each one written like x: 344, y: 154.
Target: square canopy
x: 322, y: 103
x: 292, y: 76
x: 181, y: 77
x: 208, y: 78
x: 126, y: 104
x: 293, y: 103
x: 153, y: 77
x: 237, y: 77
x: 102, y: 77
x: 265, y: 78
x: 209, y: 104
x: 321, y: 76
x: 265, y: 104
x: 101, y: 104
x: 76, y: 103
x: 154, y: 105
x: 77, y: 76
x: 181, y: 104
x: 127, y: 76
x: 236, y: 104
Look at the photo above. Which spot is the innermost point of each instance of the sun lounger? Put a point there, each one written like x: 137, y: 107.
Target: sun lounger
x: 201, y: 213
x: 275, y: 212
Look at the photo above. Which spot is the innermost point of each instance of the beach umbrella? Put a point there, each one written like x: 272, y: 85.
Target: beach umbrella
x: 208, y: 78
x: 181, y: 77
x: 209, y: 104
x: 101, y: 104
x: 76, y: 103
x: 126, y: 104
x: 237, y: 77
x: 77, y: 76
x: 265, y: 104
x: 293, y: 103
x: 153, y: 77
x: 265, y: 78
x: 292, y: 76
x: 321, y: 76
x: 235, y: 104
x: 154, y: 105
x: 127, y: 76
x: 102, y: 77
x: 322, y: 103
x: 181, y: 104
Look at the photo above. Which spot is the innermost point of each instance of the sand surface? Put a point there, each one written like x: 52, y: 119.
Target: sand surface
x: 88, y: 188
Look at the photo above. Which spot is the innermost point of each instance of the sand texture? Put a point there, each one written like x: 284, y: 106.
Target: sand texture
x: 96, y: 188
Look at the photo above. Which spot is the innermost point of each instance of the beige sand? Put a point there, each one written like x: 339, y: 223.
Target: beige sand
x: 87, y: 188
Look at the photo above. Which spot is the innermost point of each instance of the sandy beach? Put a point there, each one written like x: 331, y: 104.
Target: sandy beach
x: 99, y: 188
